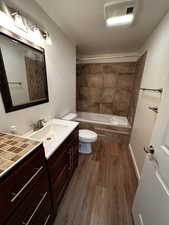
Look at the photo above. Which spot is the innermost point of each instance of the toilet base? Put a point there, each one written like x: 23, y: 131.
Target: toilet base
x: 85, y: 148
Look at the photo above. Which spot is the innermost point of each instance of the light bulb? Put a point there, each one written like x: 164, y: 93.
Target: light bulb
x: 37, y: 36
x: 19, y: 22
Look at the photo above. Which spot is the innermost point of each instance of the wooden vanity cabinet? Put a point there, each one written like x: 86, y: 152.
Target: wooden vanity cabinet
x: 61, y: 166
x: 28, y: 190
x: 24, y: 192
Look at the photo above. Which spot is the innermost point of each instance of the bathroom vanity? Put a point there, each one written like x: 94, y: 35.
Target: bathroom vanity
x: 33, y: 184
x: 61, y: 145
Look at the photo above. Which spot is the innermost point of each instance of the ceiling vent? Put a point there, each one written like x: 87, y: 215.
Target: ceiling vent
x: 120, y: 12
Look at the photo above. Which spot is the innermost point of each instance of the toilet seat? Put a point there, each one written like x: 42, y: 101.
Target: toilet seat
x: 87, y: 136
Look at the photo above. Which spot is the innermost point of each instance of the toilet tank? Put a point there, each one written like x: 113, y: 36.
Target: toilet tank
x: 70, y: 116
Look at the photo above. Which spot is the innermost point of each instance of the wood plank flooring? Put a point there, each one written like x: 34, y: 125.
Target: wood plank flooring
x: 102, y: 189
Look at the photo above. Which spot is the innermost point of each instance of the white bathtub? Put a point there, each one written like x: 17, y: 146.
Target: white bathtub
x: 105, y: 119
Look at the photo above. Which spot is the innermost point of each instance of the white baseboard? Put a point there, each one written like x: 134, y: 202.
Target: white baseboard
x: 134, y: 162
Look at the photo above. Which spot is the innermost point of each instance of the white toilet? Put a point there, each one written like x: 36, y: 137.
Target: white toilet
x: 86, y: 137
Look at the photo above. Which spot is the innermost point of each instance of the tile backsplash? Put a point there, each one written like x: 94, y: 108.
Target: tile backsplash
x: 106, y: 87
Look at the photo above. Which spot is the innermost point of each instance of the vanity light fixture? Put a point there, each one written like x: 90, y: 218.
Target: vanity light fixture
x: 19, y: 21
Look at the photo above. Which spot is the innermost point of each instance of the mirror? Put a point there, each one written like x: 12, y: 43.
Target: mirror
x: 23, y: 78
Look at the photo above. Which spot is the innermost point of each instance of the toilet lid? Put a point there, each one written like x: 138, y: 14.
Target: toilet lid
x: 87, y: 134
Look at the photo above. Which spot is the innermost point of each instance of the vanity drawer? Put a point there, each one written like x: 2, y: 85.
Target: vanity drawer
x: 19, y: 181
x: 36, y: 208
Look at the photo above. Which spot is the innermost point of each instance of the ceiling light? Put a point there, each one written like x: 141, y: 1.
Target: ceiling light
x: 120, y: 20
x: 121, y: 12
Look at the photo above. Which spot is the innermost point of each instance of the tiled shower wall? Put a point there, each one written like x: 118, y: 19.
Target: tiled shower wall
x: 106, y: 88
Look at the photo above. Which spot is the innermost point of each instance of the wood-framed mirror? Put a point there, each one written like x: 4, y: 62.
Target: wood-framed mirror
x: 23, y: 78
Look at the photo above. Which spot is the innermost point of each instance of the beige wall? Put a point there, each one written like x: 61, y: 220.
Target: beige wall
x: 61, y: 74
x: 147, y: 127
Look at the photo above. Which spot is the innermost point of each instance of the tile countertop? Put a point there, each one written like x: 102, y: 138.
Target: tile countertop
x: 13, y: 149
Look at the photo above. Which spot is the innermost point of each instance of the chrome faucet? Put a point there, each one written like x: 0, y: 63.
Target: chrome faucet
x: 40, y: 124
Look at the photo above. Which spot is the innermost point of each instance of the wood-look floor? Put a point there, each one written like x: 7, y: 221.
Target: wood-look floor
x: 102, y: 189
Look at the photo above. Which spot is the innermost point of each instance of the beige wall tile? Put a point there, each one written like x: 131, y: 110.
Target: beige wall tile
x: 107, y: 95
x: 122, y: 96
x: 90, y: 94
x: 126, y: 82
x: 127, y: 68
x: 120, y: 108
x: 110, y: 80
x: 106, y: 108
x: 111, y: 68
x: 90, y: 68
x: 94, y: 80
x: 84, y: 106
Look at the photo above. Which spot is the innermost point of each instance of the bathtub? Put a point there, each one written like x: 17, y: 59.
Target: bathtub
x: 105, y: 119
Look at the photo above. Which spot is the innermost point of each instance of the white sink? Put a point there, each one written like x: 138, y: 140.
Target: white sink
x: 53, y: 134
x: 49, y: 132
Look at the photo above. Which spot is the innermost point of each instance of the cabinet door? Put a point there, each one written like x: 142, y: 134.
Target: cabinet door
x: 56, y: 163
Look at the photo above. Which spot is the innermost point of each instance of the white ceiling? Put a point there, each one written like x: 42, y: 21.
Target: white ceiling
x: 83, y: 22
